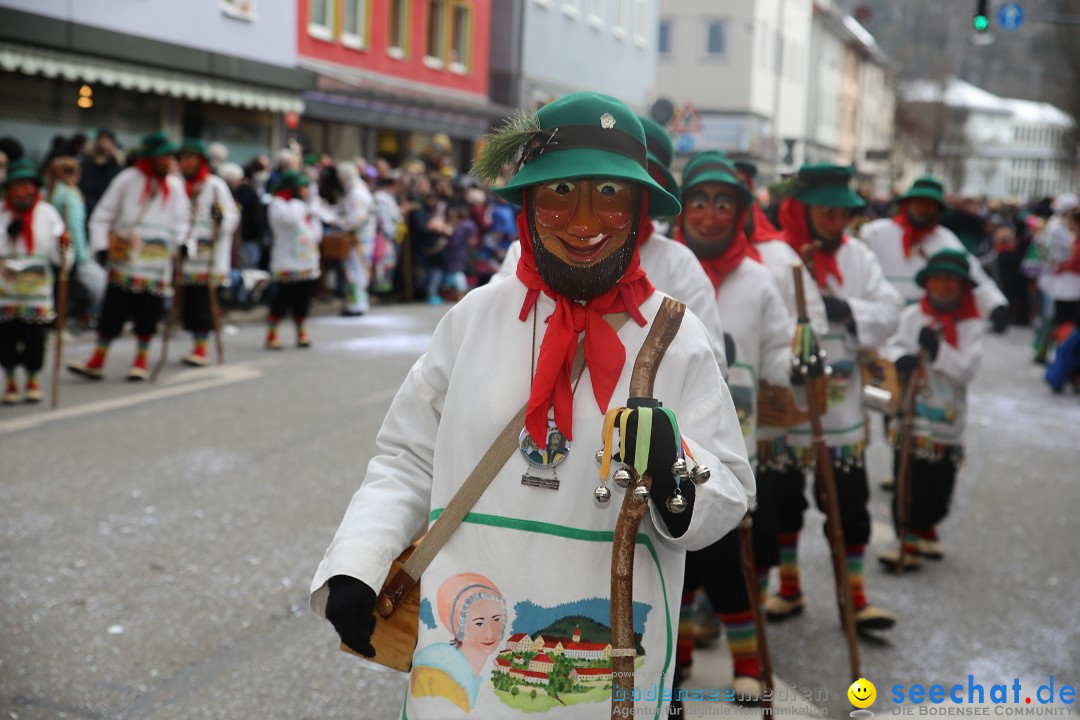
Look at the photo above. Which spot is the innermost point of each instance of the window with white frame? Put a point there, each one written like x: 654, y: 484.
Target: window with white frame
x: 641, y: 22
x: 354, y: 23
x: 398, y: 38
x: 461, y: 38
x: 619, y: 19
x: 435, y: 44
x: 240, y: 9
x: 321, y: 19
x: 716, y: 38
x: 663, y: 37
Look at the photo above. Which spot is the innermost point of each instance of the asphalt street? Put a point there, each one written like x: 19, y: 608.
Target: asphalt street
x: 157, y: 541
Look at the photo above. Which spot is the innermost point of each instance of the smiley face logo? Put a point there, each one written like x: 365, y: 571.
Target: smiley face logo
x: 862, y: 693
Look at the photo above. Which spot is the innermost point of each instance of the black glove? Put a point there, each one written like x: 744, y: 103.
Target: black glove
x: 661, y: 457
x: 837, y: 309
x: 930, y: 342
x: 350, y: 608
x: 729, y: 349
x: 999, y: 320
x: 905, y: 365
x: 14, y: 229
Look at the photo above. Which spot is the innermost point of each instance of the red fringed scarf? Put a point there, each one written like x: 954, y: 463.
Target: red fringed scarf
x: 912, y: 235
x: 718, y: 268
x: 146, y: 167
x: 27, y: 217
x: 605, y: 354
x: 194, y: 183
x: 764, y: 230
x: 285, y: 194
x: 948, y: 320
x: 797, y: 233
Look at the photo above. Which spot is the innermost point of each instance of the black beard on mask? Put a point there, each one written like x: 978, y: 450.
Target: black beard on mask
x: 710, y: 250
x: 827, y: 244
x: 582, y: 283
x: 915, y: 222
x: 944, y: 306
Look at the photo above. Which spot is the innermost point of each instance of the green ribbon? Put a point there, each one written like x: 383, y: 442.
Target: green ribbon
x: 644, y: 438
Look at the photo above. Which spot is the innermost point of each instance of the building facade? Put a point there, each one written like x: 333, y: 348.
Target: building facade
x: 395, y: 78
x: 222, y: 69
x: 543, y: 49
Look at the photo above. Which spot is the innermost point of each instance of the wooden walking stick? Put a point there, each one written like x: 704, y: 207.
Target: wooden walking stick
x: 903, y: 474
x: 816, y: 393
x: 61, y: 318
x: 635, y: 502
x: 174, y: 312
x: 215, y: 306
x: 749, y: 568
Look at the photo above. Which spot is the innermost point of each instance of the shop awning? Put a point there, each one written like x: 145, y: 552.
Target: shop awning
x: 111, y: 73
x: 356, y: 96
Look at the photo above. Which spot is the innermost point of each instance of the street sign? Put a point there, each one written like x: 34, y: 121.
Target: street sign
x: 684, y: 144
x: 686, y: 120
x: 1011, y: 16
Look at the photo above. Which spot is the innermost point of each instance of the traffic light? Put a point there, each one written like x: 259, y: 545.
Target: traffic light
x: 981, y: 21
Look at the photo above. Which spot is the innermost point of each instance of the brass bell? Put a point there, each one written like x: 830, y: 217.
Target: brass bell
x: 677, y: 503
x: 622, y: 477
x: 602, y: 494
x: 641, y: 493
x: 700, y: 474
x: 678, y: 468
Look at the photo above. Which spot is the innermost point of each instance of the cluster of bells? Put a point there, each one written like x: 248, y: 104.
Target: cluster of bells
x: 809, y: 365
x: 677, y: 503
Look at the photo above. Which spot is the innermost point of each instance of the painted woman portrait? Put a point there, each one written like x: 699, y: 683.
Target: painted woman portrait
x: 473, y: 610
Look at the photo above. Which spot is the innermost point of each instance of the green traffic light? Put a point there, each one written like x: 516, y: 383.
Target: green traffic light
x: 981, y: 22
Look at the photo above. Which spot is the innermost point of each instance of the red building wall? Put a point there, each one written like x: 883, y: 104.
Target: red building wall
x: 375, y: 57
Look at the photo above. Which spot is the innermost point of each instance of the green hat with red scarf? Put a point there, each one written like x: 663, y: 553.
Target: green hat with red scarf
x: 195, y: 146
x: 580, y: 135
x: 156, y: 144
x: 929, y: 187
x: 290, y: 180
x: 661, y: 151
x: 826, y: 185
x: 21, y: 169
x: 712, y: 166
x: 952, y: 262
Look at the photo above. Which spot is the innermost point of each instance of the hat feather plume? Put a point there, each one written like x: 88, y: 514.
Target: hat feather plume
x: 503, y: 146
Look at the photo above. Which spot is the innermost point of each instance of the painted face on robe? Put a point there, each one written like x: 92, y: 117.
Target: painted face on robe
x: 944, y: 291
x: 827, y: 224
x: 584, y: 231
x: 711, y: 213
x: 923, y: 212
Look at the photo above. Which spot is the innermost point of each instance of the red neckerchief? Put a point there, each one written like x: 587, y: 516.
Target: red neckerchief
x: 1072, y: 265
x: 146, y: 167
x: 194, y: 184
x: 912, y: 235
x: 27, y: 218
x: 717, y: 268
x: 797, y: 233
x: 285, y: 194
x: 605, y: 354
x: 948, y: 320
x: 764, y: 230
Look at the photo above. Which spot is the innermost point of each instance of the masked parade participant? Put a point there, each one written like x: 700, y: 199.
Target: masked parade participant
x: 715, y: 206
x: 142, y: 219
x: 214, y: 217
x: 863, y: 311
x: 939, y: 344
x: 356, y: 215
x: 32, y: 242
x: 904, y: 242
x: 294, y: 257
x: 532, y: 544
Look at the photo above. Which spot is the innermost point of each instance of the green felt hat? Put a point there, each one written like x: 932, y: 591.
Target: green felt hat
x: 21, y: 169
x: 954, y: 262
x: 580, y: 135
x: 195, y: 146
x: 661, y: 151
x: 747, y: 168
x: 291, y: 180
x: 927, y: 186
x: 827, y: 185
x: 712, y: 166
x: 156, y: 144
